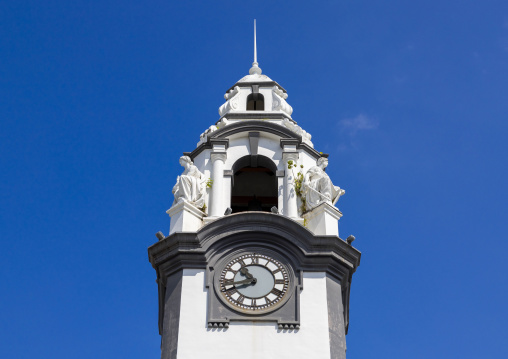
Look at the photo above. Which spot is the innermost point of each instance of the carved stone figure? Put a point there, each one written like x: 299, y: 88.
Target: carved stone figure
x: 190, y: 185
x: 318, y: 188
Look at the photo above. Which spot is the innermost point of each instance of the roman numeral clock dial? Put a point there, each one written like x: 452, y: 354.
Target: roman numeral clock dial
x: 254, y: 282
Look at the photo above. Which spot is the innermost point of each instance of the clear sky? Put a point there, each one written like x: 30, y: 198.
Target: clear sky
x: 98, y: 99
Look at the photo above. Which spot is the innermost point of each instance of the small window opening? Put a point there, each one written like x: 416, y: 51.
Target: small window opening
x: 255, y: 102
x: 254, y: 189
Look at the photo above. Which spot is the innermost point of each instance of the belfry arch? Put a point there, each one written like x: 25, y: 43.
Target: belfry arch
x: 255, y: 102
x: 254, y: 184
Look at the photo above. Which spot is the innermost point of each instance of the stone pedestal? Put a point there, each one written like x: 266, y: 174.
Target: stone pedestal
x: 185, y: 218
x: 323, y: 220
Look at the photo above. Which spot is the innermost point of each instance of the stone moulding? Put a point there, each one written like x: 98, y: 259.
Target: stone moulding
x: 306, y: 251
x: 254, y: 115
x: 269, y: 83
x: 254, y: 126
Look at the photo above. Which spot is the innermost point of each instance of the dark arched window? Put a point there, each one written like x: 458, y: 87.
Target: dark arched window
x: 255, y: 102
x: 254, y: 185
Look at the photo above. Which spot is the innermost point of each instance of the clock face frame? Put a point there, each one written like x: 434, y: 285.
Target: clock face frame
x: 254, y: 283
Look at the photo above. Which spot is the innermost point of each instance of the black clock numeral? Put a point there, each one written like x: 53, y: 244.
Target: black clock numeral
x: 255, y: 260
x: 240, y: 299
x: 276, y: 292
x: 228, y: 282
x: 242, y: 263
x: 268, y: 301
x: 276, y: 271
x: 279, y: 281
x: 253, y: 302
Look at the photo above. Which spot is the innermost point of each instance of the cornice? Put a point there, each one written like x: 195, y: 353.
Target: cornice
x: 305, y: 251
x: 259, y: 83
x: 287, y: 136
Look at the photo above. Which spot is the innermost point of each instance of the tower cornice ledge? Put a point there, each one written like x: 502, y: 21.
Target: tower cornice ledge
x: 306, y: 252
x: 250, y: 80
x: 314, y: 248
x: 254, y: 126
x: 256, y: 115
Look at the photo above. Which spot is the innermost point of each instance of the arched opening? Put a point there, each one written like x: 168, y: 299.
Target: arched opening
x: 254, y: 185
x: 255, y: 102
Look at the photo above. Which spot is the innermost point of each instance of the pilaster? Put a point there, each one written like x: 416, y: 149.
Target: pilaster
x: 216, y: 202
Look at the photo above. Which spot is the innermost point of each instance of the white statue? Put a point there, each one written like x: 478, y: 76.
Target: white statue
x: 318, y: 188
x: 190, y: 185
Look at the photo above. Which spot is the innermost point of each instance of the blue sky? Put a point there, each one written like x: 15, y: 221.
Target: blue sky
x: 98, y: 99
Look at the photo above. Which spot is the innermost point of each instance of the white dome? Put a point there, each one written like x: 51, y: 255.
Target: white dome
x: 255, y: 78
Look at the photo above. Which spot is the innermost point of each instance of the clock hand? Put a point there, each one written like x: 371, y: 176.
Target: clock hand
x: 245, y: 272
x: 246, y: 281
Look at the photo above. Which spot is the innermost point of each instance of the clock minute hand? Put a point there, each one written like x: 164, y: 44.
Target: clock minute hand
x: 245, y: 281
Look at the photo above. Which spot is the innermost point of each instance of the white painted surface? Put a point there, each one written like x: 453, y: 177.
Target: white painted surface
x: 323, y: 220
x: 253, y: 340
x: 185, y: 217
x: 217, y: 200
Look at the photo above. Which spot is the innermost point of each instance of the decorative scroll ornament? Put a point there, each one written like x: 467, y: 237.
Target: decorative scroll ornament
x: 279, y: 101
x: 190, y: 185
x: 318, y: 188
x: 306, y: 137
x: 231, y: 103
x: 204, y: 136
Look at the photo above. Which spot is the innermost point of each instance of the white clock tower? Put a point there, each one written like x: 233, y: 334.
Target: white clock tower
x: 253, y: 266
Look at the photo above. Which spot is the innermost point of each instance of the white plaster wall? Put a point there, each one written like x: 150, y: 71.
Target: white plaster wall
x: 251, y: 340
x: 238, y: 147
x: 270, y: 147
x: 267, y: 95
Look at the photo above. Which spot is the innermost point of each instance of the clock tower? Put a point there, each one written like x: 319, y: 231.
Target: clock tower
x: 253, y: 265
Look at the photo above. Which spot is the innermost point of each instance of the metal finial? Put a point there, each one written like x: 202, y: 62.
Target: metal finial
x: 255, y: 69
x: 255, y: 46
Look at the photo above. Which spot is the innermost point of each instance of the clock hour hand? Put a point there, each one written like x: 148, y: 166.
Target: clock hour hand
x: 245, y: 272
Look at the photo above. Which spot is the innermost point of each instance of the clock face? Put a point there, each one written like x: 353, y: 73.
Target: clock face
x: 254, y: 282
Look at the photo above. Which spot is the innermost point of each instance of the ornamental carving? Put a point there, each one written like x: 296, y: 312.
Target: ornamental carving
x: 306, y: 137
x: 317, y: 187
x: 190, y: 185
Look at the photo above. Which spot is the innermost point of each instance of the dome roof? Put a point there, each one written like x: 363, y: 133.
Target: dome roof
x: 255, y: 78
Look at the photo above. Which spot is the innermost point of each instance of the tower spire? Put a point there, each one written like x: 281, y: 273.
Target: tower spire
x: 255, y: 69
x: 255, y: 46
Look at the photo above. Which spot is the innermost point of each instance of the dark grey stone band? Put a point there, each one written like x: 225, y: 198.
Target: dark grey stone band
x: 336, y: 325
x: 305, y: 251
x: 171, y: 316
